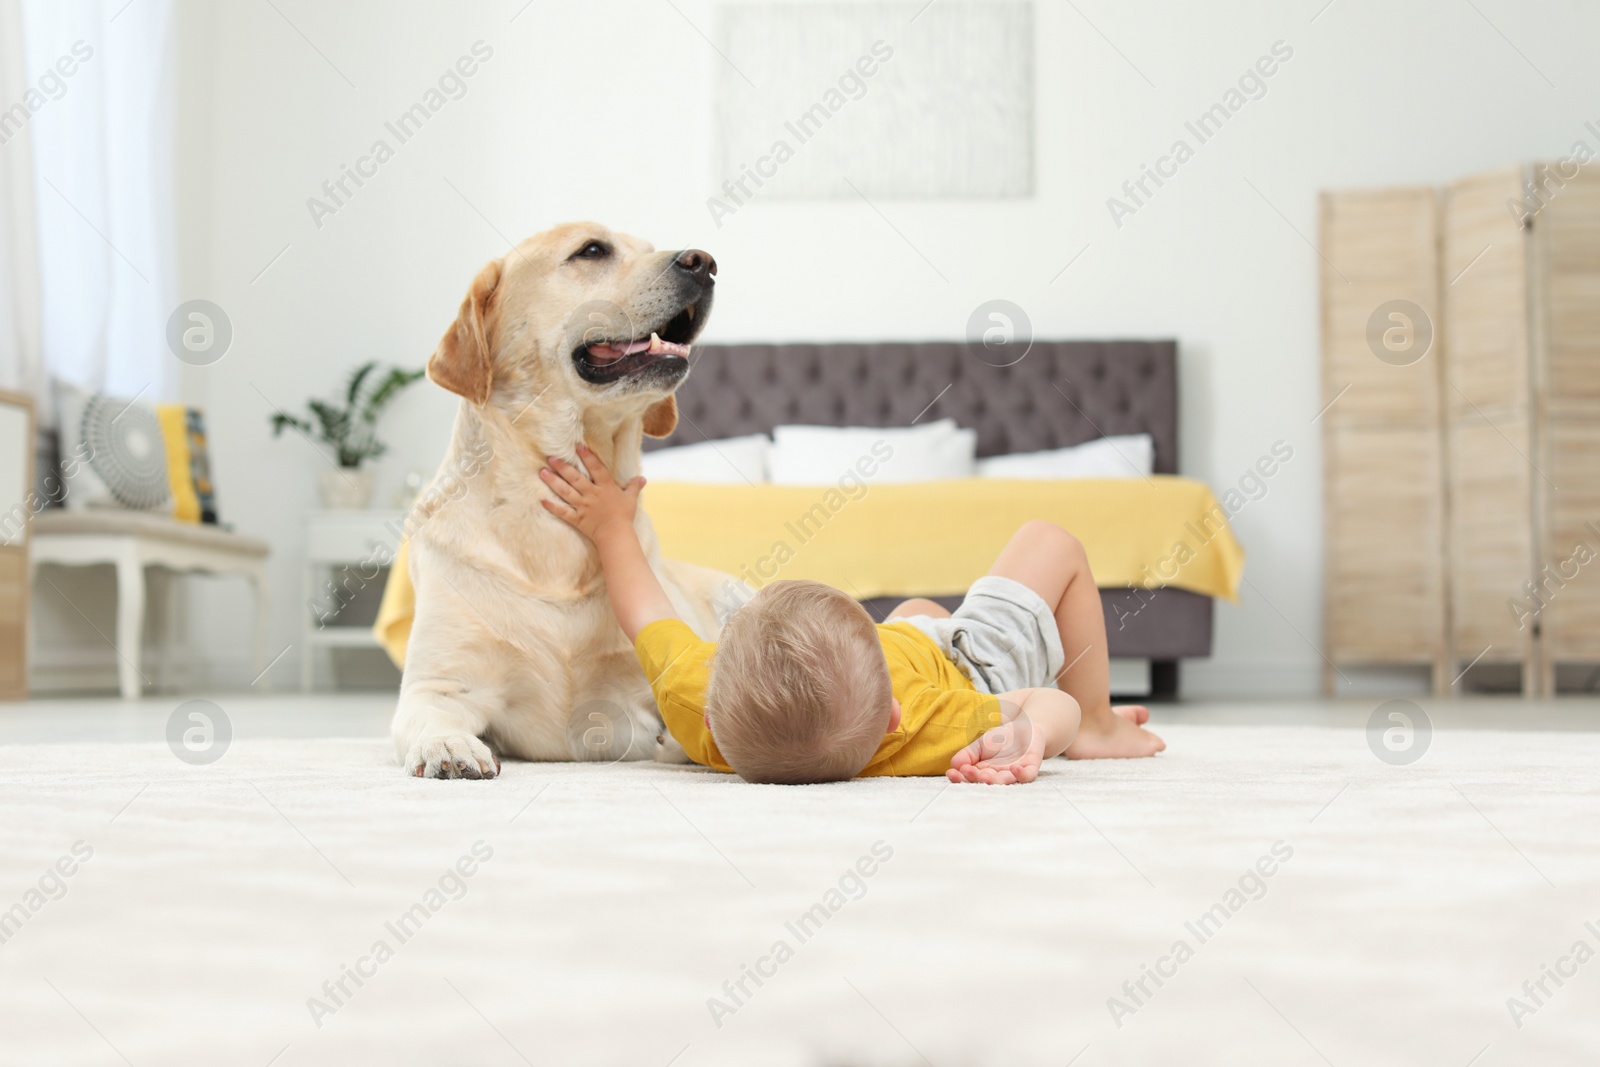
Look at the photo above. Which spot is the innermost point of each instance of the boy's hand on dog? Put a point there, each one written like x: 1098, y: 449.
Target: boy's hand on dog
x: 593, y: 504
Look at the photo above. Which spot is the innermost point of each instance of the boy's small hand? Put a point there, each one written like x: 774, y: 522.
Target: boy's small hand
x: 1006, y: 755
x: 595, y: 506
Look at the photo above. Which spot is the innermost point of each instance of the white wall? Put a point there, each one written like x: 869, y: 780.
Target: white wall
x: 603, y: 110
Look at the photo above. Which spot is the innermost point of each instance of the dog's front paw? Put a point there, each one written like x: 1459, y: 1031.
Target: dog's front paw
x: 451, y: 756
x: 669, y: 751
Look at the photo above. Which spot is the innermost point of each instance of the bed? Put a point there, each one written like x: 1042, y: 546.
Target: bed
x: 1062, y: 393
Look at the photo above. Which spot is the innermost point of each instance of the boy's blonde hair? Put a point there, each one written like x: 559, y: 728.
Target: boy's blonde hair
x: 799, y: 688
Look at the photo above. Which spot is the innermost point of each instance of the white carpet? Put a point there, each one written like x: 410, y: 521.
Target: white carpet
x: 619, y: 899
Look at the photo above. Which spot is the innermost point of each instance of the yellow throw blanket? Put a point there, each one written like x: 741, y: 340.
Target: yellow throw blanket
x: 928, y: 538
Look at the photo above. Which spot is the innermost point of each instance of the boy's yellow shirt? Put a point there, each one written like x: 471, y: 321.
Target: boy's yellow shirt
x: 940, y: 712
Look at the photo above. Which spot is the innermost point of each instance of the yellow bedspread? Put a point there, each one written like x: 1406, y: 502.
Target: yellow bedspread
x: 930, y: 538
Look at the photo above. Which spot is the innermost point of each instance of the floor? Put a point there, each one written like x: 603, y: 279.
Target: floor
x: 367, y: 715
x: 1278, y: 888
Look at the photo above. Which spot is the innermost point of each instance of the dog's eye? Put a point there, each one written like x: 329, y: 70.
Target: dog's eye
x: 592, y: 250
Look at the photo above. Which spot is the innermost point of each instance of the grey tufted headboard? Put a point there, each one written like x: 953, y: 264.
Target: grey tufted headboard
x: 1061, y: 393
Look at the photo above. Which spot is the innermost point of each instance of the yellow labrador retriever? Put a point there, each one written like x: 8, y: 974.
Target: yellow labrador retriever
x: 579, y: 334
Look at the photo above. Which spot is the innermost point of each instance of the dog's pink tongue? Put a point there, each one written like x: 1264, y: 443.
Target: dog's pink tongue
x: 601, y: 355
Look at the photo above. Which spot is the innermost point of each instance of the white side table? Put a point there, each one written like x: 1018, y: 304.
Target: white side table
x: 346, y: 552
x: 132, y: 541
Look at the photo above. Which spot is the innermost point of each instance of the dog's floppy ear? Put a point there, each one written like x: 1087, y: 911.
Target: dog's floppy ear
x: 661, y: 418
x: 462, y: 363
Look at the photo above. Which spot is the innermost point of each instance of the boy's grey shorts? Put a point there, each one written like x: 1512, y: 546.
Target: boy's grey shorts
x: 1003, y: 637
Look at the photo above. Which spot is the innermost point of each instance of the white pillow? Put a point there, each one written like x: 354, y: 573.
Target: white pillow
x: 112, y: 452
x: 731, y: 461
x: 821, y: 455
x: 1127, y: 456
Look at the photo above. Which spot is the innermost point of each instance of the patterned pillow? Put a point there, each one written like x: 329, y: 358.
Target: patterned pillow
x: 118, y: 453
x: 200, y: 464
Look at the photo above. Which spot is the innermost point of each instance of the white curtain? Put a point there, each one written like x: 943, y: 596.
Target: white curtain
x: 100, y: 129
x: 20, y: 368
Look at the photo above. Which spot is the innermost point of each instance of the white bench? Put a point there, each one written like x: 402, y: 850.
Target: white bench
x: 132, y: 541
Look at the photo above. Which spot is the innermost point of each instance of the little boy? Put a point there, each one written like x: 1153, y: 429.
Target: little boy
x: 803, y: 687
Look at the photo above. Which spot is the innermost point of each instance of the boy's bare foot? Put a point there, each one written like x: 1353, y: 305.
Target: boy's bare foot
x: 1115, y: 733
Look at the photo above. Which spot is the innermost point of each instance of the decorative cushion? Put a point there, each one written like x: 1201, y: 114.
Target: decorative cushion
x: 200, y: 465
x: 134, y: 455
x: 113, y: 454
x: 175, y: 435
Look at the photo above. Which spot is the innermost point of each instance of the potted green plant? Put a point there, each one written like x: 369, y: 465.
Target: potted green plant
x: 350, y: 427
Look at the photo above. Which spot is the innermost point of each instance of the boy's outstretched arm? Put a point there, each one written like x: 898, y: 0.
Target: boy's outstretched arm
x: 1038, y: 724
x: 603, y: 512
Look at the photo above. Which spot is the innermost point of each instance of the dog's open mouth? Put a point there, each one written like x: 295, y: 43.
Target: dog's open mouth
x: 603, y: 361
x: 604, y: 355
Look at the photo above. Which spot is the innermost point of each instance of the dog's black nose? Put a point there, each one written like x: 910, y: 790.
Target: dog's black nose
x: 694, y: 262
